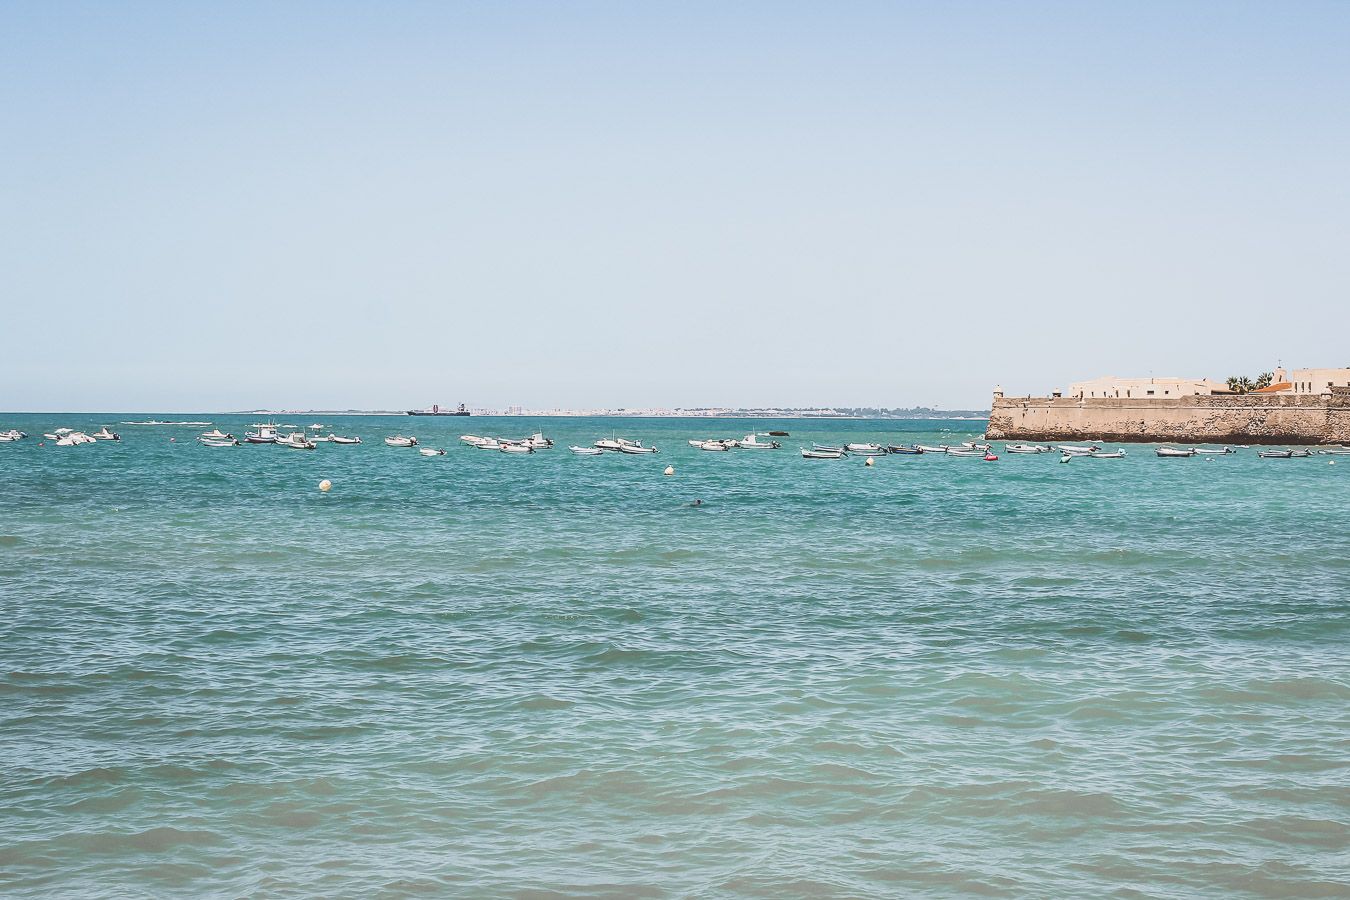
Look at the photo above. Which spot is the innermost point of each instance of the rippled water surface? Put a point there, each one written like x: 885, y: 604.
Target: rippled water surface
x: 486, y: 675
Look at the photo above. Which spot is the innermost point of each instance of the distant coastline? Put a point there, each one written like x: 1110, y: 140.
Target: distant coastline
x: 660, y: 413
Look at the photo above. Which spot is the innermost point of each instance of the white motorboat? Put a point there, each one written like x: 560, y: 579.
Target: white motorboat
x: 1335, y: 451
x: 218, y: 442
x: 1276, y: 454
x: 487, y: 444
x: 399, y: 440
x: 635, y: 447
x: 863, y: 448
x: 336, y: 439
x: 1026, y: 448
x: 715, y: 445
x: 537, y: 441
x: 1209, y: 452
x: 266, y: 434
x: 972, y: 445
x: 825, y: 449
x: 470, y: 439
x: 1299, y: 454
x: 966, y: 451
x: 822, y: 453
x: 940, y: 448
x: 296, y: 440
x: 1072, y: 450
x: 1114, y: 454
x: 1175, y: 452
x: 428, y: 451
x: 752, y: 442
x: 74, y: 439
x: 904, y: 449
x: 316, y: 427
x: 215, y: 434
x: 515, y: 447
x: 586, y: 451
x: 608, y: 444
x: 13, y: 434
x: 103, y: 434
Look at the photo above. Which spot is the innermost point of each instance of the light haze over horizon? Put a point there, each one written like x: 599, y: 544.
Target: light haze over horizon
x: 602, y: 204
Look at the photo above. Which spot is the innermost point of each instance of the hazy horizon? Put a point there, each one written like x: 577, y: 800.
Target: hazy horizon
x: 611, y: 205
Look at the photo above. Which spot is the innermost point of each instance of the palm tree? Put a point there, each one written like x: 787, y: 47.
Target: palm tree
x: 1235, y: 384
x: 1244, y: 385
x: 1265, y: 380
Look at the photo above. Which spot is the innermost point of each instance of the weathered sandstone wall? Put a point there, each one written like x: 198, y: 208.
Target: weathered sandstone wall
x: 1218, y: 418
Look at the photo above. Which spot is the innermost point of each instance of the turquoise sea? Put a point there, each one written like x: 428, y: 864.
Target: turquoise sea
x: 484, y: 675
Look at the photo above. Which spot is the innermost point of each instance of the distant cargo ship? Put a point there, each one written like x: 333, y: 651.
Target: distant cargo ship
x: 437, y: 411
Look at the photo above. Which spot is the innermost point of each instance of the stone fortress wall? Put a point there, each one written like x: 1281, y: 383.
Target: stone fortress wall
x: 1280, y: 418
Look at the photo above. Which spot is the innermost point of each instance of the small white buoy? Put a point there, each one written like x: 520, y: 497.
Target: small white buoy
x: 869, y: 461
x: 325, y: 485
x: 670, y: 470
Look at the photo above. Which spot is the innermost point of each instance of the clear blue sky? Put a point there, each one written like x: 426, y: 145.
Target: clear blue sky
x: 214, y: 206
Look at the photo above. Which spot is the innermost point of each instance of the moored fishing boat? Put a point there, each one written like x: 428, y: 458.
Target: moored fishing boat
x: 1300, y: 454
x: 13, y: 434
x: 1211, y: 452
x: 338, y: 439
x: 940, y: 448
x: 1335, y: 451
x: 822, y: 453
x: 1175, y: 452
x: 827, y: 449
x: 965, y: 451
x: 608, y: 444
x: 715, y: 446
x: 865, y: 449
x: 537, y: 441
x: 215, y: 434
x: 906, y: 450
x: 430, y: 451
x: 635, y: 447
x: 399, y: 440
x: 74, y: 439
x: 266, y: 434
x: 103, y: 434
x: 1114, y: 454
x: 1076, y: 450
x: 226, y: 441
x: 586, y: 451
x: 1026, y: 448
x: 514, y: 447
x: 296, y: 440
x: 1275, y: 454
x: 752, y: 442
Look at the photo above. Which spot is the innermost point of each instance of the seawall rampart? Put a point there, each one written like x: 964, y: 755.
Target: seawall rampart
x: 1215, y: 418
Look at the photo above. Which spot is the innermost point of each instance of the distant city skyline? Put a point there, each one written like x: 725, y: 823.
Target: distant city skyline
x: 607, y: 205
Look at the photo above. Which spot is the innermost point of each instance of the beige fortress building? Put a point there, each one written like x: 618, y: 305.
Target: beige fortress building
x: 1301, y: 406
x: 1312, y: 381
x: 1129, y: 388
x: 1297, y: 381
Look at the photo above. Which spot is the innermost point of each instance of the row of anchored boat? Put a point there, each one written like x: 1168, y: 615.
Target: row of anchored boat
x: 300, y: 440
x: 270, y: 434
x: 64, y: 437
